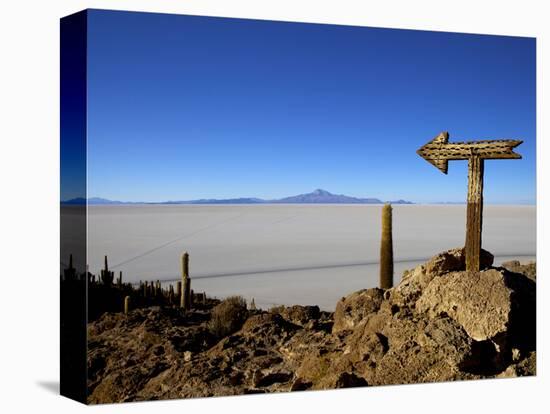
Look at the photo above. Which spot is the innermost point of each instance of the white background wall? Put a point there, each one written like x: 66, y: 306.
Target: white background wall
x: 29, y: 192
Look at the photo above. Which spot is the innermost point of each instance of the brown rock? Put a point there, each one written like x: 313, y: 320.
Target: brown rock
x: 301, y: 315
x: 353, y: 308
x: 481, y: 302
x: 411, y: 286
x: 422, y: 351
x: 528, y: 269
x: 267, y: 378
x: 300, y: 385
x: 454, y: 260
x: 349, y: 380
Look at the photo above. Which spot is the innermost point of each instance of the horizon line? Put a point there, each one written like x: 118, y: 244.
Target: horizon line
x: 276, y: 201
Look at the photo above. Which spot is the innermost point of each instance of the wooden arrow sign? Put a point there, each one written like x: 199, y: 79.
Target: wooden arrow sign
x: 439, y: 151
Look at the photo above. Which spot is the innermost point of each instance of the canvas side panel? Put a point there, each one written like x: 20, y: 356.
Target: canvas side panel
x: 73, y: 378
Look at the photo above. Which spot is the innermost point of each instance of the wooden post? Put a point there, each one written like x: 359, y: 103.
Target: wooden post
x: 439, y: 151
x: 474, y: 213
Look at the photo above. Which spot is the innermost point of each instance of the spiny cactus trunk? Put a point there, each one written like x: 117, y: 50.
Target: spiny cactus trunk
x: 186, y: 282
x: 170, y: 295
x: 107, y: 276
x: 386, y: 249
x: 126, y: 305
x: 178, y: 291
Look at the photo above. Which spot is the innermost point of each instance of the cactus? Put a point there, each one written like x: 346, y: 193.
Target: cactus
x: 119, y: 281
x: 252, y: 305
x: 145, y: 289
x: 126, y: 305
x: 178, y: 290
x: 171, y: 294
x: 386, y: 249
x: 70, y: 272
x: 107, y: 276
x: 185, y: 301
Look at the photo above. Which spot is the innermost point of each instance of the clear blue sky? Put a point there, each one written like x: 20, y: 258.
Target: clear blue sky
x: 183, y: 107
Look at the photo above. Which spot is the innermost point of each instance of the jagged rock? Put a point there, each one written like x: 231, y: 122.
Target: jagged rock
x: 301, y: 315
x: 527, y: 367
x: 268, y: 323
x: 529, y: 269
x: 422, y: 350
x: 481, y: 302
x: 349, y: 380
x: 265, y: 379
x: 454, y: 260
x: 300, y: 385
x: 411, y: 286
x: 353, y: 308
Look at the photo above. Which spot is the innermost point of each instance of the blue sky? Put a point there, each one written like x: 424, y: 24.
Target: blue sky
x: 184, y: 107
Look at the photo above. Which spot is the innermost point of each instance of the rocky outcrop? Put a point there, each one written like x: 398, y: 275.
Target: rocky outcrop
x: 480, y: 302
x: 440, y: 323
x: 528, y: 269
x: 354, y: 308
x: 454, y: 260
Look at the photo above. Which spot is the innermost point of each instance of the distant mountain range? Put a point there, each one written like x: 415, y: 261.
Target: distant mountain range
x: 316, y: 197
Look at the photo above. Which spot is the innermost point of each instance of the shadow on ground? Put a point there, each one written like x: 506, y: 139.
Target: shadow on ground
x: 51, y: 386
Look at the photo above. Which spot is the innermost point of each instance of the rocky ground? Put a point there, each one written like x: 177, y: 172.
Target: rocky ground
x: 439, y: 324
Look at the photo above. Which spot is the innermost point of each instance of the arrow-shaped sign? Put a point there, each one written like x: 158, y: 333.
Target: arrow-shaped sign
x: 439, y: 150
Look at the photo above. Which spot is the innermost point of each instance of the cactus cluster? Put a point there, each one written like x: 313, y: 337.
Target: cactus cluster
x: 111, y: 294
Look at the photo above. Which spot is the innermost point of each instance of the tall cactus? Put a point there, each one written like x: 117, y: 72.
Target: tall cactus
x: 171, y: 294
x: 126, y: 305
x: 106, y: 275
x: 185, y: 302
x: 178, y: 291
x: 386, y: 249
x: 70, y: 272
